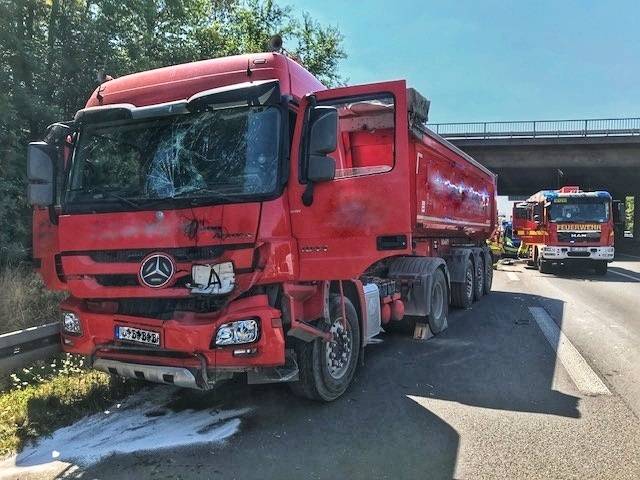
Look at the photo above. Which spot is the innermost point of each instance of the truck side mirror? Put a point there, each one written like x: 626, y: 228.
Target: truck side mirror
x: 618, y: 212
x: 323, y: 139
x: 537, y: 218
x: 321, y: 168
x: 323, y: 130
x: 41, y: 159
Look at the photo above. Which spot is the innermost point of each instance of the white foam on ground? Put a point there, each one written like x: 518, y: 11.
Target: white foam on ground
x: 131, y: 427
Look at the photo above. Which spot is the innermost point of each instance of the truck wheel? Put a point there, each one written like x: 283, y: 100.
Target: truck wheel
x: 462, y: 292
x: 544, y: 266
x: 488, y: 275
x: 327, y: 368
x: 439, y: 303
x: 478, y: 289
x: 601, y: 268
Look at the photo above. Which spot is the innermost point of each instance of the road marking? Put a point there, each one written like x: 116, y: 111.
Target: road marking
x: 576, y: 366
x: 637, y: 279
x: 513, y: 276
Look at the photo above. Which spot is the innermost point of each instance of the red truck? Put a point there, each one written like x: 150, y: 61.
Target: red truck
x: 566, y: 226
x: 234, y: 216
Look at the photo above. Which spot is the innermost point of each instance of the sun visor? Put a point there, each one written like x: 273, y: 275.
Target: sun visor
x: 262, y: 92
x: 126, y: 111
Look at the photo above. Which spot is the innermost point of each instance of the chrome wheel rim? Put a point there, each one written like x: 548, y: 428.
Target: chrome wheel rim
x: 339, y: 350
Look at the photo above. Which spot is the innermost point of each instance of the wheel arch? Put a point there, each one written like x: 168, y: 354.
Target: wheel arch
x: 418, y: 272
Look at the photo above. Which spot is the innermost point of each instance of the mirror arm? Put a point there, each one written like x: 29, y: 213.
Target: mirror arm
x: 53, y: 215
x: 307, y: 195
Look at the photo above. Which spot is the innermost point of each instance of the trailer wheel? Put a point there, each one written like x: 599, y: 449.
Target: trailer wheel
x: 488, y: 275
x: 327, y: 368
x: 462, y: 292
x: 478, y: 288
x: 439, y: 303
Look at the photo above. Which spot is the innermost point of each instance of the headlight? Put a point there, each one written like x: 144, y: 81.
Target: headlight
x: 71, y: 323
x: 234, y: 333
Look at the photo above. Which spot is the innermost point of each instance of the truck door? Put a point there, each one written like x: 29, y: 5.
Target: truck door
x: 364, y: 213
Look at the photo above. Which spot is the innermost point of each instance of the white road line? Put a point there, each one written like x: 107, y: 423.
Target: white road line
x: 637, y: 279
x: 576, y: 366
x: 513, y: 276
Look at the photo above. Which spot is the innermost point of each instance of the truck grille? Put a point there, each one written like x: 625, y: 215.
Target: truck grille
x: 164, y: 308
x: 130, y: 280
x: 578, y: 237
x: 185, y: 254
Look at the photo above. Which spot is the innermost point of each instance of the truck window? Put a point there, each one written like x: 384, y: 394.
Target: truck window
x: 366, y: 137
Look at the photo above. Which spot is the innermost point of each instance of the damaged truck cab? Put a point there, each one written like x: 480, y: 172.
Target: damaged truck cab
x: 234, y: 216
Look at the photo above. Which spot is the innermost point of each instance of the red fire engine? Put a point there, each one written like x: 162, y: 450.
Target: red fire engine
x: 566, y: 226
x: 234, y: 216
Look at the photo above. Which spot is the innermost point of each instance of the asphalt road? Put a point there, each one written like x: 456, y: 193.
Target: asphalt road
x: 540, y: 379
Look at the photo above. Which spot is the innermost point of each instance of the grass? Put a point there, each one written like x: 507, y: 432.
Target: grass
x: 53, y: 395
x: 24, y: 302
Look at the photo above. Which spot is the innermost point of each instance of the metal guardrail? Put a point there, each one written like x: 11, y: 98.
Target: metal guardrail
x: 597, y: 127
x: 23, y: 347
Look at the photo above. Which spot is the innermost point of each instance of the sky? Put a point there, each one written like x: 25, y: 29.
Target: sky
x: 490, y: 60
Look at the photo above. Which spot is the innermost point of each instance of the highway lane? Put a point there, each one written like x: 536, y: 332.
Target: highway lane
x: 600, y: 314
x: 489, y: 398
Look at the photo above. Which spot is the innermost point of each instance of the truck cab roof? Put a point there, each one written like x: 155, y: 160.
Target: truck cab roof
x: 179, y: 82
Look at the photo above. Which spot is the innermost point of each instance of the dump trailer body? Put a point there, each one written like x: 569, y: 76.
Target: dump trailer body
x: 257, y: 223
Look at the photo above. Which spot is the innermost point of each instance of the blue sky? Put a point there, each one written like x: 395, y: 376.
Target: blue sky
x: 496, y: 60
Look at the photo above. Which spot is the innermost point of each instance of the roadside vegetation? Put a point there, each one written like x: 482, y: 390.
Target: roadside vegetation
x: 52, y: 395
x: 24, y: 302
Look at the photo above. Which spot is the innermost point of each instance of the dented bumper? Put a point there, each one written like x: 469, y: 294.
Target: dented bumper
x: 186, y: 351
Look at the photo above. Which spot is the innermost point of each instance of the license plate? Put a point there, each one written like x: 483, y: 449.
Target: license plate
x: 578, y: 249
x: 138, y: 335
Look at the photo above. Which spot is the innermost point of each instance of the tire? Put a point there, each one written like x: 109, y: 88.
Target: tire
x: 437, y: 318
x: 544, y: 266
x: 317, y: 380
x: 601, y: 268
x: 462, y: 292
x: 488, y: 277
x: 478, y: 287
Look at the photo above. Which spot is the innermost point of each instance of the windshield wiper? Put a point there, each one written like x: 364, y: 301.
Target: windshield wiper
x: 117, y: 197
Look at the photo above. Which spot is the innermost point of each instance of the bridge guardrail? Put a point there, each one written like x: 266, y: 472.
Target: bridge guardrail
x: 539, y: 128
x: 21, y: 348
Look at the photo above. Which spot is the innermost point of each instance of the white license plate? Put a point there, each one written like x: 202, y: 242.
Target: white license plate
x: 137, y: 335
x: 578, y: 249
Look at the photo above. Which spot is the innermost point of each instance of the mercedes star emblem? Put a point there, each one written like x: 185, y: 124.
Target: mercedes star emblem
x: 156, y: 270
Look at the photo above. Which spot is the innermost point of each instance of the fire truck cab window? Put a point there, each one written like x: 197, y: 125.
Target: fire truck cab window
x: 366, y: 136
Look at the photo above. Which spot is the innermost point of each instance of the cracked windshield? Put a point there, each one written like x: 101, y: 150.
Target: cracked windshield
x: 220, y: 154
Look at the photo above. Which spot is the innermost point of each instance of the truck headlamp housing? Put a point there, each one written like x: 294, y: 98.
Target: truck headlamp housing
x: 238, y: 332
x: 71, y: 324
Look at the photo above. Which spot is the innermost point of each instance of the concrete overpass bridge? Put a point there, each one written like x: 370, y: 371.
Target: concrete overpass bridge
x: 597, y: 154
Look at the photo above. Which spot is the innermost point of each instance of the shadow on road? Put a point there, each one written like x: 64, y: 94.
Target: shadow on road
x: 492, y: 356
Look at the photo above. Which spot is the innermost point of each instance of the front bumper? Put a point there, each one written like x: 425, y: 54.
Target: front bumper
x: 567, y: 253
x: 185, y: 343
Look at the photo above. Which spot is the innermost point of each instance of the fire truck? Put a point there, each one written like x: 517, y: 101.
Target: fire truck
x: 234, y: 217
x: 566, y: 226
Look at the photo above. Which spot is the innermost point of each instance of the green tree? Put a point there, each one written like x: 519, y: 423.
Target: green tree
x: 51, y: 52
